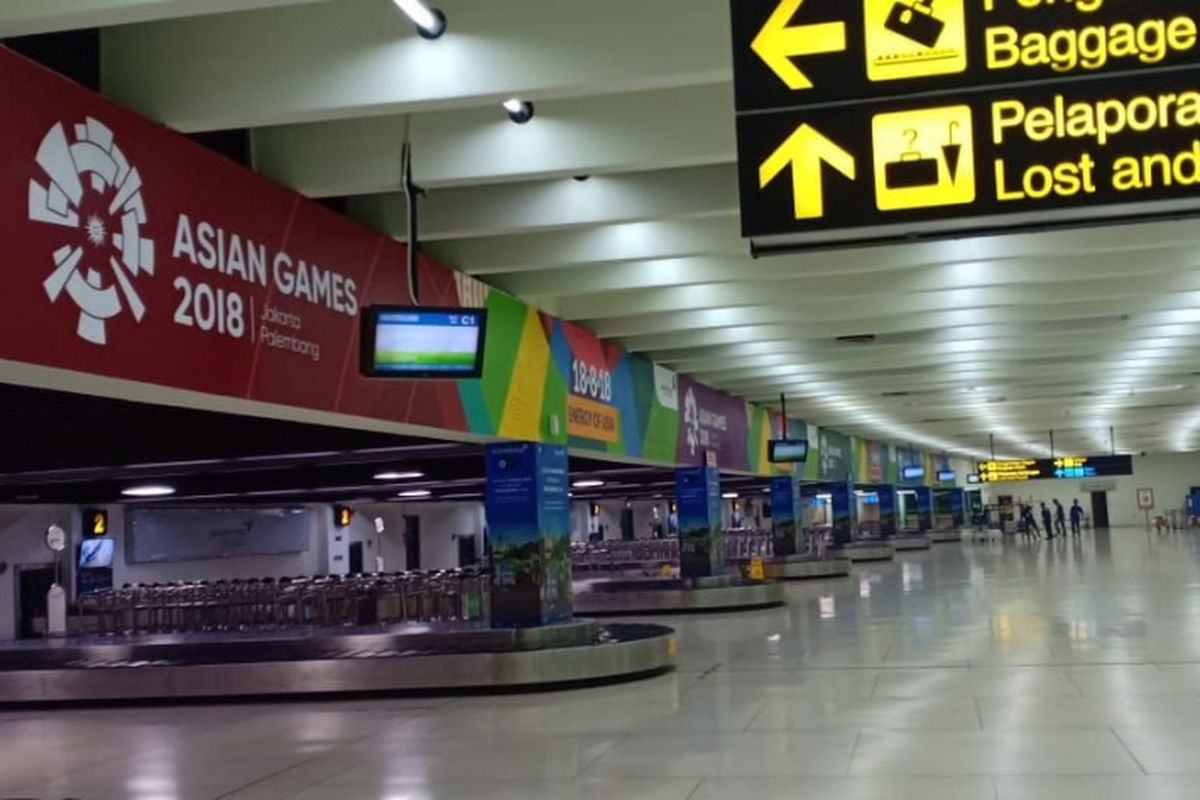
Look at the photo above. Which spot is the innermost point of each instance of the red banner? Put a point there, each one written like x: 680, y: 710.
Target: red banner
x: 131, y: 252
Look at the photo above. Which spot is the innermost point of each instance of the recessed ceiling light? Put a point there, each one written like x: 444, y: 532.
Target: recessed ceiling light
x: 430, y: 22
x: 587, y: 484
x: 730, y: 495
x: 149, y: 490
x: 398, y: 476
x: 414, y: 494
x: 519, y: 111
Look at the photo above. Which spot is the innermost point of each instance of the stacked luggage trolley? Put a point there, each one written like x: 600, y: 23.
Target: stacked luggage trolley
x: 643, y: 576
x: 396, y: 632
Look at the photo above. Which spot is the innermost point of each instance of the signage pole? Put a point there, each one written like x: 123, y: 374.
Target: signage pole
x: 1051, y: 445
x: 411, y: 193
x: 992, y: 441
x: 783, y: 414
x: 1112, y: 440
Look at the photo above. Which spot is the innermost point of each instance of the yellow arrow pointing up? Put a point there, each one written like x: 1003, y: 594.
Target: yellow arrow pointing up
x: 805, y: 150
x: 777, y: 43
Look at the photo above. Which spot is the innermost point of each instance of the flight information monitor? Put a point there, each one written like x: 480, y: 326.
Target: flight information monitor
x: 788, y: 451
x: 96, y: 553
x: 912, y: 473
x: 1064, y: 468
x: 406, y: 342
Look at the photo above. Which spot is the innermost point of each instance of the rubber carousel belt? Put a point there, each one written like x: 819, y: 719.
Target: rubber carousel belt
x: 239, y: 665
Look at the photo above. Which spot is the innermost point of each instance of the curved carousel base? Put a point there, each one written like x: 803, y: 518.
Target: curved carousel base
x: 793, y: 568
x: 910, y: 542
x: 867, y: 551
x: 943, y: 537
x: 621, y: 597
x: 330, y: 662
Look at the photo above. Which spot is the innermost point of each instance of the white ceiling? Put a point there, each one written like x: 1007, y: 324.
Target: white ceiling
x: 1071, y: 331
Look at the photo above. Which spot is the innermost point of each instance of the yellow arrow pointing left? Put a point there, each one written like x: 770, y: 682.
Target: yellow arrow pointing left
x: 778, y: 42
x: 805, y: 150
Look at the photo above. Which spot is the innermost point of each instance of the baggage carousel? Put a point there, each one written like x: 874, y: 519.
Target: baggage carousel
x: 865, y: 551
x: 943, y: 537
x: 621, y: 596
x: 411, y: 658
x: 910, y: 542
x: 793, y: 568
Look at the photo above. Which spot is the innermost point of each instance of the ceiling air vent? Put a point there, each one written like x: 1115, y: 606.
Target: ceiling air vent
x: 861, y: 338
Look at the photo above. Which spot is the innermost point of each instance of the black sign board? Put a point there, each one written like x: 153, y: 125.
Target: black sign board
x: 1062, y: 468
x: 987, y: 160
x: 999, y: 115
x: 802, y: 52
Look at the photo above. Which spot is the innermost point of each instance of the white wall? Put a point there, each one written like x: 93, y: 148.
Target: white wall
x: 440, y: 524
x: 1169, y: 475
x: 610, y: 517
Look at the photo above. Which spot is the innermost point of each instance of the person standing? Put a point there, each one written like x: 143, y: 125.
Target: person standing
x: 1060, y: 518
x: 1047, y: 521
x: 1031, y: 527
x: 1076, y: 519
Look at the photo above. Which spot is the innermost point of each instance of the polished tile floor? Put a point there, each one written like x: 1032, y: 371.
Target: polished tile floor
x: 1066, y: 670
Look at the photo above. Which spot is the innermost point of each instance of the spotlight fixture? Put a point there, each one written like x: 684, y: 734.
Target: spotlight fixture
x: 415, y: 494
x: 430, y: 22
x: 398, y: 476
x: 519, y: 111
x: 587, y: 484
x: 149, y: 490
x: 730, y: 495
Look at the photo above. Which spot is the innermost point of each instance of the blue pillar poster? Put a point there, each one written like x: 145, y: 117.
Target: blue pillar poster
x: 887, y: 511
x: 925, y: 507
x: 957, y: 507
x: 529, y: 528
x: 842, y: 500
x: 785, y: 514
x: 698, y: 496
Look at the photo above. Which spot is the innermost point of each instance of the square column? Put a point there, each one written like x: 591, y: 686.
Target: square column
x: 958, y: 507
x: 843, y: 512
x: 925, y: 508
x: 888, y: 526
x: 701, y: 543
x: 786, y: 514
x: 529, y: 530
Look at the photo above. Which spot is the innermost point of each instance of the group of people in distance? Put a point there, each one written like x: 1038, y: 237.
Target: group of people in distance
x: 1054, y: 522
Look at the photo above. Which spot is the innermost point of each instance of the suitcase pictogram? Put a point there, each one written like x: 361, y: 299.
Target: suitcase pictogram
x: 914, y: 19
x: 911, y: 170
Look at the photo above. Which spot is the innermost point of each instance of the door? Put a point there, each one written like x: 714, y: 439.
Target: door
x: 412, y: 543
x: 467, y: 556
x: 356, y: 558
x: 33, y: 582
x: 1099, y: 509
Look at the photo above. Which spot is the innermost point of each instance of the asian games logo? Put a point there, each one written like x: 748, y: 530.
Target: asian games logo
x: 94, y: 193
x: 691, y: 421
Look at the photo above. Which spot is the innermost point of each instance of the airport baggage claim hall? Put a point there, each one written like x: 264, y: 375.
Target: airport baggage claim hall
x: 565, y: 400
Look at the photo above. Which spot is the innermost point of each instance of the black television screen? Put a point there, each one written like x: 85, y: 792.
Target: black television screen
x: 947, y: 475
x: 404, y: 342
x: 94, y: 553
x: 787, y: 451
x: 913, y: 473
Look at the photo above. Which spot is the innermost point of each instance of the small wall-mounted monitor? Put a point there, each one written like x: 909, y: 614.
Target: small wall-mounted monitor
x: 787, y: 451
x: 913, y: 473
x: 947, y: 476
x: 96, y: 553
x: 973, y: 478
x: 403, y: 342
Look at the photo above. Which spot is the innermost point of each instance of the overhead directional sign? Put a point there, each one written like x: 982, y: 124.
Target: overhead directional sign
x: 791, y: 52
x: 959, y: 119
x: 1064, y: 468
